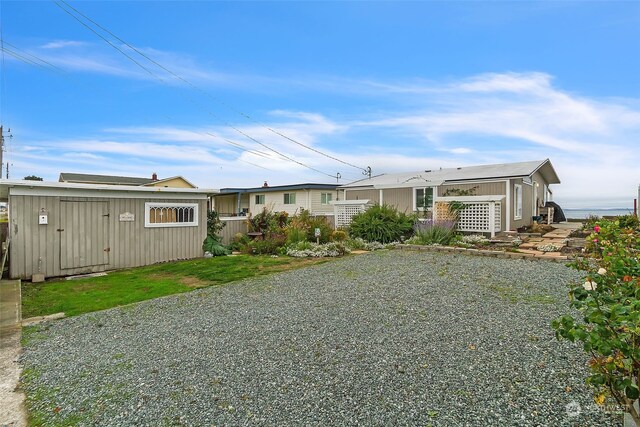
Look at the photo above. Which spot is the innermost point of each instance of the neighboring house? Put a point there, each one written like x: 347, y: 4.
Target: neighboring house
x: 315, y: 198
x: 508, y: 195
x: 81, y: 178
x: 60, y: 228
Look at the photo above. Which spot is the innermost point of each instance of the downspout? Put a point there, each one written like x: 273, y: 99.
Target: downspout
x: 239, y: 196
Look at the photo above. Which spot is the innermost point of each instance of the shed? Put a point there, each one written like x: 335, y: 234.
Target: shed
x: 60, y: 229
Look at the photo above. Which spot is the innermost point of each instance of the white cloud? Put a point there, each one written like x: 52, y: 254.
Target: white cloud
x: 489, y: 118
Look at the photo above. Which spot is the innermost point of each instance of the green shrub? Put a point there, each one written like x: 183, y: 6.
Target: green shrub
x: 608, y: 302
x: 271, y: 245
x: 302, y: 227
x: 339, y: 236
x: 382, y: 223
x: 213, y: 245
x: 628, y: 221
x: 213, y: 242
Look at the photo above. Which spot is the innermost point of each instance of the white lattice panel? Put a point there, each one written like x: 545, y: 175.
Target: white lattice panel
x: 497, y: 223
x: 344, y: 213
x: 474, y: 217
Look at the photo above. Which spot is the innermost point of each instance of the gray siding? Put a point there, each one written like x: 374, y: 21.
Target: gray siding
x: 372, y: 195
x: 400, y: 198
x: 233, y: 227
x: 37, y: 248
x: 482, y: 189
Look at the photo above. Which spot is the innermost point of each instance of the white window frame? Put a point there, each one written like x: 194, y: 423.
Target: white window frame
x: 326, y: 198
x: 517, y: 201
x: 150, y: 205
x: 259, y: 196
x: 417, y: 208
x: 291, y: 202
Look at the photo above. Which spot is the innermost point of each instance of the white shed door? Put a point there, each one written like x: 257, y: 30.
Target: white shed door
x: 84, y: 234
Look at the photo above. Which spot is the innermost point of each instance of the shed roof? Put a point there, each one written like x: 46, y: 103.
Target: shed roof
x: 467, y: 173
x: 103, y: 179
x: 67, y: 187
x: 305, y: 186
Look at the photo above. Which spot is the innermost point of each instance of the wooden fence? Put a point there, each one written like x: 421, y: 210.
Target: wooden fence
x: 234, y: 225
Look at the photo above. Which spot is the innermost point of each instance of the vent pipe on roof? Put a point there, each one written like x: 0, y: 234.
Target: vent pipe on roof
x: 265, y: 185
x: 154, y: 176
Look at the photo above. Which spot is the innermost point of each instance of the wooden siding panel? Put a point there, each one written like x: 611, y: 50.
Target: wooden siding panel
x: 400, y: 198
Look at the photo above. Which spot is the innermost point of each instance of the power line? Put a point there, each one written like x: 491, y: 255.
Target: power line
x: 193, y: 86
x: 35, y: 60
x: 59, y: 4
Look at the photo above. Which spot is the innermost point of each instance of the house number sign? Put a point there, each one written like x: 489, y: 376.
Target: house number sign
x: 127, y: 217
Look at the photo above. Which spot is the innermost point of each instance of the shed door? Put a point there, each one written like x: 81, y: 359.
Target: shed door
x: 84, y: 234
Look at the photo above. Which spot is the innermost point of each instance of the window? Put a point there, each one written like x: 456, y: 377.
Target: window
x: 259, y: 199
x: 424, y: 198
x: 517, y: 201
x: 289, y: 198
x: 170, y: 214
x: 325, y: 198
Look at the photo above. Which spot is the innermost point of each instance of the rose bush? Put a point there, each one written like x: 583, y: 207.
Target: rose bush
x: 609, y: 302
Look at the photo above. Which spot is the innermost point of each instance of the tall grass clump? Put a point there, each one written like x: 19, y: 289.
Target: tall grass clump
x: 434, y: 233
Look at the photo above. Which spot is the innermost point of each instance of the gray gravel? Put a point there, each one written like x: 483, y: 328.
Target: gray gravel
x: 386, y: 338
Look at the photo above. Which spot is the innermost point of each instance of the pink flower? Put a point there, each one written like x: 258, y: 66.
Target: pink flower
x: 596, y: 228
x: 595, y: 240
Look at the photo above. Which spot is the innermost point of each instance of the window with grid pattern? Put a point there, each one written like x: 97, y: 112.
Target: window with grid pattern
x: 171, y: 214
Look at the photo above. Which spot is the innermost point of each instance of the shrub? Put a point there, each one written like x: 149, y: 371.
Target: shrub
x: 339, y: 236
x: 303, y: 226
x: 628, y: 221
x: 474, y: 239
x: 382, y: 223
x: 434, y: 233
x: 359, y: 244
x: 268, y: 246
x: 213, y: 246
x: 310, y: 249
x: 608, y: 302
x: 213, y: 242
x: 268, y: 222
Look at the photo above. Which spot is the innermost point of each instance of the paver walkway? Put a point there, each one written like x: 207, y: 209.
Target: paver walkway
x: 11, y: 410
x: 556, y: 237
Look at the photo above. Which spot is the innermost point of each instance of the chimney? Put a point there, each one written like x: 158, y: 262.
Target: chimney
x: 265, y: 185
x: 154, y: 177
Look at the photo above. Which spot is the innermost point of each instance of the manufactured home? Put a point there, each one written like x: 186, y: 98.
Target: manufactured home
x: 498, y: 197
x: 60, y: 229
x: 315, y: 198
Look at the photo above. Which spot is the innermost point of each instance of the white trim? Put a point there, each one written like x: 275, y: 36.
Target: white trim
x: 76, y: 192
x: 149, y: 205
x: 471, y: 198
x: 381, y: 199
x: 434, y: 190
x: 507, y: 208
x: 515, y: 201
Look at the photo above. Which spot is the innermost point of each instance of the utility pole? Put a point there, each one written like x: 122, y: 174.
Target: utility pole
x: 1, y: 149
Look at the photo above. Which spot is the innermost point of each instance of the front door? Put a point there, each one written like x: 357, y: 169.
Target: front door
x: 84, y: 234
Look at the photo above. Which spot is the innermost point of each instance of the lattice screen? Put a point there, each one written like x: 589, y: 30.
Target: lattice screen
x: 474, y: 217
x: 344, y: 213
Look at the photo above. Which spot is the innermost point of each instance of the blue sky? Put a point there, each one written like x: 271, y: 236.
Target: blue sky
x: 398, y: 86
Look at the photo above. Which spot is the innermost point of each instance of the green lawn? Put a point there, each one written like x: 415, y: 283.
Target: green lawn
x: 122, y: 287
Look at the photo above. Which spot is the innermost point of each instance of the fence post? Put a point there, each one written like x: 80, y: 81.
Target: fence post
x: 492, y: 219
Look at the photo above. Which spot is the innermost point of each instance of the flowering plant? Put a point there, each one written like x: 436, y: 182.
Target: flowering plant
x: 609, y: 301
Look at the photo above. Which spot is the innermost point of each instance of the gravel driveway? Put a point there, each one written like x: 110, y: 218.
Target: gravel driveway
x: 385, y: 338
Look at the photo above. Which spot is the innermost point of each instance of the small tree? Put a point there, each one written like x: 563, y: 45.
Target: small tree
x: 32, y: 178
x: 609, y: 301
